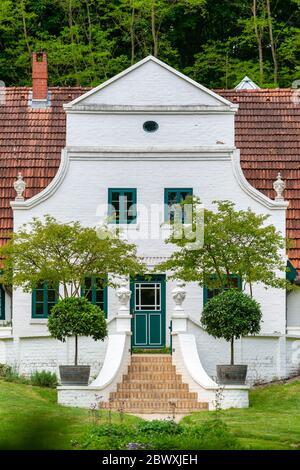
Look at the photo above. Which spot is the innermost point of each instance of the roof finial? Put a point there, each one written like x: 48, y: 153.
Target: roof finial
x: 19, y: 186
x: 279, y: 186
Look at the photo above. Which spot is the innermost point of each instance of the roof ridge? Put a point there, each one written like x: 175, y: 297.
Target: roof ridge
x: 258, y: 90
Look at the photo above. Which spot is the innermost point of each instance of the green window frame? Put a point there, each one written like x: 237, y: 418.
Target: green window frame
x: 2, y: 303
x: 210, y: 293
x: 122, y: 205
x: 175, y: 196
x: 43, y: 299
x: 95, y: 293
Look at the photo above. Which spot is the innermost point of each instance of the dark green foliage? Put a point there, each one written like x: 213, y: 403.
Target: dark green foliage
x: 44, y: 378
x: 160, y: 426
x: 89, y: 41
x: 76, y: 316
x: 231, y: 314
x: 162, y: 435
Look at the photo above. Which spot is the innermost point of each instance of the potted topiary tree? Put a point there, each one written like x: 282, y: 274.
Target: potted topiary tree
x: 76, y: 316
x: 230, y: 315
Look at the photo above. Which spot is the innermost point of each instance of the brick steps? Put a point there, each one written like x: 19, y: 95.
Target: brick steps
x: 149, y: 368
x: 154, y: 406
x: 158, y: 394
x: 148, y: 376
x: 151, y: 385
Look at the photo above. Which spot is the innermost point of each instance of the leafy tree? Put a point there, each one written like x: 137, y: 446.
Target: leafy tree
x: 76, y: 317
x: 65, y: 253
x: 89, y: 41
x: 235, y: 242
x: 230, y: 315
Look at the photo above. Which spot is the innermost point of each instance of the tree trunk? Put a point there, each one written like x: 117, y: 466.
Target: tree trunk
x: 272, y: 42
x: 76, y: 350
x: 25, y: 27
x: 232, y: 351
x: 251, y: 291
x: 258, y: 35
x: 154, y: 36
x: 132, y: 35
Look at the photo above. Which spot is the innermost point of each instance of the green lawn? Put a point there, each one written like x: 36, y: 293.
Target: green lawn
x: 271, y: 422
x: 31, y: 418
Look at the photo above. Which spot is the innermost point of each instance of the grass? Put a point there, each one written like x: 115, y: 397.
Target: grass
x: 31, y: 418
x: 272, y: 421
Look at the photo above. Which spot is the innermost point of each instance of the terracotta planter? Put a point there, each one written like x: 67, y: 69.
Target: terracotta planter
x: 74, y: 375
x: 232, y: 374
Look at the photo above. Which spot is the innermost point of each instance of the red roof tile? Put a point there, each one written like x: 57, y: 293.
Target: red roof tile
x: 267, y: 133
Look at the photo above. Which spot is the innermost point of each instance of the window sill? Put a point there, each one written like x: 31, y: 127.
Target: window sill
x: 38, y: 321
x: 133, y: 226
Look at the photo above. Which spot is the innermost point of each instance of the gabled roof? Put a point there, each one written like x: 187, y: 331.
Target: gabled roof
x: 220, y: 100
x: 267, y: 132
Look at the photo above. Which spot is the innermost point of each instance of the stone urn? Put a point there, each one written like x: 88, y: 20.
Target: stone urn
x: 232, y: 374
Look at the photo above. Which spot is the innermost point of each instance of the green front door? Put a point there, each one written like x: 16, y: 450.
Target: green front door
x: 148, y: 302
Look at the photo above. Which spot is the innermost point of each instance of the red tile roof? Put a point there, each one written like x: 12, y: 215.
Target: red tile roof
x: 30, y: 141
x: 268, y: 135
x: 267, y: 132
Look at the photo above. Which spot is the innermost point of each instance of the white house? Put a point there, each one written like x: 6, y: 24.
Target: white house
x: 149, y: 136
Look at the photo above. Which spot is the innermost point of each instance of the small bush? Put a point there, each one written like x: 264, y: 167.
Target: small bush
x: 166, y: 426
x: 44, y: 378
x: 12, y: 375
x: 4, y: 370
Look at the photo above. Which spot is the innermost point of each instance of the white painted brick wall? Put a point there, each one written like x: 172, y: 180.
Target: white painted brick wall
x: 265, y: 356
x: 45, y: 353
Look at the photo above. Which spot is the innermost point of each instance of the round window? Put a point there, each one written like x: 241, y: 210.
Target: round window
x: 150, y: 126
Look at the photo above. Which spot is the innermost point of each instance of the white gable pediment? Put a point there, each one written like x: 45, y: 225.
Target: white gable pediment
x: 150, y: 82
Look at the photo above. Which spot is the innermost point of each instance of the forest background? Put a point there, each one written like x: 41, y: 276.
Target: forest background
x: 216, y: 42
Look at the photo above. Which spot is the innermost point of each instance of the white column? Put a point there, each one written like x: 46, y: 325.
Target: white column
x: 123, y: 317
x: 179, y: 317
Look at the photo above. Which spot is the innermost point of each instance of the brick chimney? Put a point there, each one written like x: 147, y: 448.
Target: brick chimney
x: 39, y: 76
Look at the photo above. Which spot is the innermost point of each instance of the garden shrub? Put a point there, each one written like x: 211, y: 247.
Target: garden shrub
x: 12, y: 375
x: 4, y: 370
x: 162, y: 435
x: 44, y: 378
x: 159, y: 426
